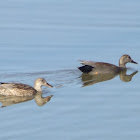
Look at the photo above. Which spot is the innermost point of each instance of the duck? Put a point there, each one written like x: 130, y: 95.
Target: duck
x: 92, y: 67
x: 19, y: 89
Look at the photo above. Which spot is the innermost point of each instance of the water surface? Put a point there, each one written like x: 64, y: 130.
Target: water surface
x: 47, y: 39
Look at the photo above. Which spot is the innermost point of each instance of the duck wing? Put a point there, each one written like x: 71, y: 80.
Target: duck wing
x: 16, y: 89
x: 15, y: 85
x: 6, y: 85
x: 89, y: 63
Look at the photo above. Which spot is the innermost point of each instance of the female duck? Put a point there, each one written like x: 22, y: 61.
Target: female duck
x: 18, y: 89
x: 92, y: 67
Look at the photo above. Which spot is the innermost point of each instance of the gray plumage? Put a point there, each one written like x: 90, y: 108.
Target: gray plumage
x: 93, y: 67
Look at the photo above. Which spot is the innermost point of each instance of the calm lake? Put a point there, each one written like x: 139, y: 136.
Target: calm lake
x: 47, y: 38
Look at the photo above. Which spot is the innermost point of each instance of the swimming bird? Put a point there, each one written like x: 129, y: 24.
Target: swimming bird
x: 18, y: 89
x: 92, y: 67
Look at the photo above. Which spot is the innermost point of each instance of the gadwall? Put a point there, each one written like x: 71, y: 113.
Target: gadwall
x: 92, y: 67
x: 18, y: 89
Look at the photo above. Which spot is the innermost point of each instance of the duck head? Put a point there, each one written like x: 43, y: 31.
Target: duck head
x: 39, y: 83
x: 125, y: 59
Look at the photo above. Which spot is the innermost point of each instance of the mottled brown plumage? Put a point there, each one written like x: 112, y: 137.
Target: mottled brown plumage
x: 18, y: 89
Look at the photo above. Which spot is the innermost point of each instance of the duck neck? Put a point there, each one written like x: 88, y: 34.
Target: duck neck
x: 37, y: 87
x: 122, y: 64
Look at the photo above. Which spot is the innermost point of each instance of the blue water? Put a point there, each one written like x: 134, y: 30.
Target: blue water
x: 47, y: 39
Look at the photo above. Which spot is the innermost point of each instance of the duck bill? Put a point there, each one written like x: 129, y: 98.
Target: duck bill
x: 134, y: 62
x: 47, y: 84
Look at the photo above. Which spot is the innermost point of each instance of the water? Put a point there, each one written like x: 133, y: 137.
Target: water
x: 47, y: 39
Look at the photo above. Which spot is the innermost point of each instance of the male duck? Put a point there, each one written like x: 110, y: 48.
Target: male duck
x: 18, y: 89
x: 92, y: 67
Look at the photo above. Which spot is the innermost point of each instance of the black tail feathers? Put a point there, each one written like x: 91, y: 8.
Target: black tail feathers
x: 86, y: 68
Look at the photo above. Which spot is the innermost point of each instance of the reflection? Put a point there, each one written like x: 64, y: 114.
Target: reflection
x: 89, y: 79
x: 40, y: 101
x: 11, y: 100
x: 126, y: 78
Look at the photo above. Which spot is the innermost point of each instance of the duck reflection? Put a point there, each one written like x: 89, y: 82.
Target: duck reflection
x: 40, y: 101
x: 89, y: 79
x: 126, y: 78
x: 11, y: 100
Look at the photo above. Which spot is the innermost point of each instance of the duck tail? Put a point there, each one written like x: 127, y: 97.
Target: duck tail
x: 1, y: 83
x: 86, y: 68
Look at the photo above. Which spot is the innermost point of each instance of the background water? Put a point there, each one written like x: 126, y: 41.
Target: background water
x: 46, y: 38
